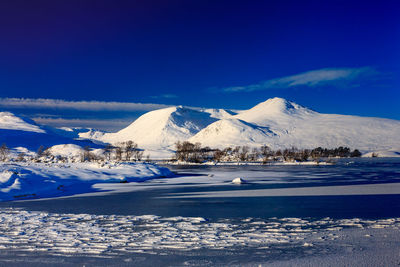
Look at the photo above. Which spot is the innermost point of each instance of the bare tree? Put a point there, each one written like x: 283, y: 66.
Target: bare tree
x: 40, y: 151
x: 86, y: 155
x: 4, y: 152
x: 218, y: 155
x: 108, y: 151
x: 266, y: 152
x: 244, y: 152
x: 130, y: 148
x: 118, y: 152
x: 21, y: 156
x: 254, y: 155
x: 138, y: 155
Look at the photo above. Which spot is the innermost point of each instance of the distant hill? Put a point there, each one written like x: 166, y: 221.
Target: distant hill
x: 16, y: 131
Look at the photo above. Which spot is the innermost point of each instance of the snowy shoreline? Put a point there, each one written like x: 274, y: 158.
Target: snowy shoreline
x: 313, y: 163
x: 26, y: 180
x: 140, y: 228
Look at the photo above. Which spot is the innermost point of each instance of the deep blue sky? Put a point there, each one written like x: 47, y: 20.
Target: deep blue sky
x: 188, y: 52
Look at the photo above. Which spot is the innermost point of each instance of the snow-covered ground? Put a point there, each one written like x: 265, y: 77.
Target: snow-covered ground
x: 110, y: 235
x: 279, y: 215
x: 391, y: 153
x: 204, y: 215
x: 38, y: 180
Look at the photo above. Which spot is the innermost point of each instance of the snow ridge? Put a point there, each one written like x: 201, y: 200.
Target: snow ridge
x: 162, y: 128
x: 281, y: 124
x: 11, y: 122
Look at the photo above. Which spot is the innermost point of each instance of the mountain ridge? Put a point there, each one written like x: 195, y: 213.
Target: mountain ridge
x: 276, y: 122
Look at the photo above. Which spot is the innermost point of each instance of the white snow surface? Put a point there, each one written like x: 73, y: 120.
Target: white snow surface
x: 238, y: 180
x: 66, y: 150
x: 92, y: 134
x: 18, y: 132
x: 79, y: 132
x: 161, y: 129
x: 37, y: 180
x: 110, y: 235
x: 391, y: 153
x: 276, y: 122
x: 11, y: 122
x: 280, y: 124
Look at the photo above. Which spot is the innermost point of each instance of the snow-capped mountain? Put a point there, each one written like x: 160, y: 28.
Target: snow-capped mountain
x: 17, y: 131
x: 279, y: 123
x: 161, y: 129
x: 276, y: 122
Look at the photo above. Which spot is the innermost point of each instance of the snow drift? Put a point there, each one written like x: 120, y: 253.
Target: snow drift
x: 38, y: 180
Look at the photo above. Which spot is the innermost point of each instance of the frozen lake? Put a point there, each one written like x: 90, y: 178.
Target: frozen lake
x: 282, y: 215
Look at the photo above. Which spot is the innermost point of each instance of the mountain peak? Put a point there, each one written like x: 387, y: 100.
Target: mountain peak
x: 278, y: 105
x: 163, y: 127
x: 274, y: 109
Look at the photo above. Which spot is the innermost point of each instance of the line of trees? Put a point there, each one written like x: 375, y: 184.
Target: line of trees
x: 124, y: 151
x: 188, y: 152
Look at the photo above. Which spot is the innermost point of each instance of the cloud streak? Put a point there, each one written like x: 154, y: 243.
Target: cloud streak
x: 42, y: 103
x: 338, y: 77
x: 103, y: 124
x: 167, y: 96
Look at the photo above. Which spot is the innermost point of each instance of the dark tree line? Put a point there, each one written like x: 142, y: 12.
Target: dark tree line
x: 125, y: 151
x: 188, y: 152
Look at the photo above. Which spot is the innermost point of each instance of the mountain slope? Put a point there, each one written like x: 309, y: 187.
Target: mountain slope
x: 9, y: 121
x: 276, y: 122
x: 289, y: 124
x: 231, y: 132
x: 162, y: 128
x: 274, y: 109
x: 17, y: 131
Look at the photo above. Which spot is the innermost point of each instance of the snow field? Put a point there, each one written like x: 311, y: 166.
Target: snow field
x: 104, y: 235
x: 37, y: 180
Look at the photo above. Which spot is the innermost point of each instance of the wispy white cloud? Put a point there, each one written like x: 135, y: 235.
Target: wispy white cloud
x: 42, y: 103
x: 103, y: 124
x: 165, y: 96
x: 330, y: 76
